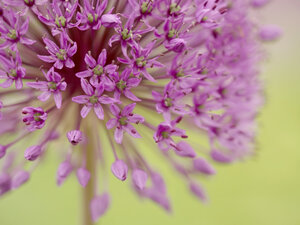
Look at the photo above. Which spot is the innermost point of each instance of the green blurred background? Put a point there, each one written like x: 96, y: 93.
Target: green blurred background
x: 265, y: 190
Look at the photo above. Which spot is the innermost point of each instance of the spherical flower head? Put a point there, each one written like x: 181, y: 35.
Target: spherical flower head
x: 100, y: 77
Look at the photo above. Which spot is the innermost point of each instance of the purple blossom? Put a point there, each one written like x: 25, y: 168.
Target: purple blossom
x: 12, y: 71
x: 34, y: 118
x: 164, y: 133
x: 90, y: 16
x: 13, y: 30
x: 98, y: 71
x: 25, y: 4
x: 127, y: 35
x: 122, y: 120
x: 123, y: 83
x: 140, y: 60
x: 169, y: 102
x: 92, y: 99
x: 60, y: 56
x: 54, y: 85
x: 59, y: 18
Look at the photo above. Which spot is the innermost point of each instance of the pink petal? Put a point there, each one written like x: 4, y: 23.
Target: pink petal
x: 118, y: 135
x: 111, y: 123
x: 58, y: 99
x: 85, y: 111
x: 115, y: 110
x: 99, y: 111
x: 44, y: 96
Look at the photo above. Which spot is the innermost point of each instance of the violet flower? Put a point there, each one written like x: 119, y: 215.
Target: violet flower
x: 141, y: 61
x: 123, y: 83
x: 60, y: 55
x: 123, y: 120
x: 59, y: 20
x: 92, y: 100
x: 54, y: 85
x: 24, y: 5
x: 34, y: 118
x: 90, y: 16
x: 13, y: 30
x: 98, y: 71
x: 12, y: 71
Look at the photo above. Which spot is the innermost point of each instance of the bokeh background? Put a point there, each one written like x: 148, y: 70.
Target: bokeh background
x: 265, y: 190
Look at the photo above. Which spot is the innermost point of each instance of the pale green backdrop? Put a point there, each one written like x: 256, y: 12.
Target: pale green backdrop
x: 265, y: 190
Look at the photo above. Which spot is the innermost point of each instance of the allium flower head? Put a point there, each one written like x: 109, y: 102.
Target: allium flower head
x: 85, y: 73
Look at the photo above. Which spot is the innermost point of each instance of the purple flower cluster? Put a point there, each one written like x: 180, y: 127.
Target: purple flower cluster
x: 161, y: 68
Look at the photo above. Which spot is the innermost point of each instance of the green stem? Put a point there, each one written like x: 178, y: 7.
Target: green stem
x: 89, y: 190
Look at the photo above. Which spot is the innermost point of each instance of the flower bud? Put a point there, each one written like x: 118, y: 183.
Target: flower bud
x: 33, y: 152
x: 110, y: 20
x: 185, y: 150
x: 34, y: 118
x: 203, y: 166
x: 259, y: 3
x: 270, y: 33
x: 176, y: 45
x: 64, y: 169
x: 74, y: 136
x: 159, y: 197
x: 119, y: 169
x: 158, y: 183
x: 220, y: 157
x: 2, y: 151
x: 198, y: 191
x: 5, y: 183
x: 139, y: 178
x: 83, y: 176
x: 99, y: 206
x: 20, y: 178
